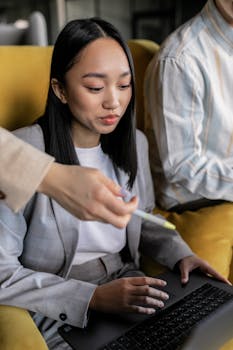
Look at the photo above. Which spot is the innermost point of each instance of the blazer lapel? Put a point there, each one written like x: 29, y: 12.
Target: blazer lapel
x: 133, y: 230
x: 68, y: 231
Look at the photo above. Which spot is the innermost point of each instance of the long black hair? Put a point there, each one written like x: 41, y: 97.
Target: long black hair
x: 120, y: 144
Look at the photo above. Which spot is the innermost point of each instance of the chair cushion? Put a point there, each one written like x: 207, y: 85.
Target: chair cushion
x: 18, y: 331
x: 209, y: 233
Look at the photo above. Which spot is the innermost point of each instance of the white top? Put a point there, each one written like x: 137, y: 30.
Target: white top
x: 95, y: 238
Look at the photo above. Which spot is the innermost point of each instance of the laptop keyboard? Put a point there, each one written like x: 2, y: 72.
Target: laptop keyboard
x: 168, y: 329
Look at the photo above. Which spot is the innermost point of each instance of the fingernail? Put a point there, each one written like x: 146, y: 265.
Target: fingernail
x: 126, y: 194
x: 184, y: 283
x: 151, y: 311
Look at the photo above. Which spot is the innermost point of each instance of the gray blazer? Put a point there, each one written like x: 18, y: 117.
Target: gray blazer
x: 37, y: 246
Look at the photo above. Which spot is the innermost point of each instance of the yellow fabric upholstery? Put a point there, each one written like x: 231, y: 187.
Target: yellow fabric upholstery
x: 24, y: 73
x: 18, y: 331
x: 207, y: 234
x: 142, y: 52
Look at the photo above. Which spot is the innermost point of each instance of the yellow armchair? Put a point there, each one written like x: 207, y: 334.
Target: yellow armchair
x: 18, y: 331
x: 24, y: 72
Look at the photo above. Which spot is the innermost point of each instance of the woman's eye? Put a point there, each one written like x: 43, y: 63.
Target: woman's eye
x: 94, y: 89
x: 125, y: 86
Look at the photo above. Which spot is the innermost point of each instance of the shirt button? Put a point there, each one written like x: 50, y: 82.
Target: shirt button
x: 63, y: 317
x: 2, y: 195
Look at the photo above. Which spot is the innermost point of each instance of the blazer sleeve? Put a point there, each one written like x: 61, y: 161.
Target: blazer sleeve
x: 34, y: 288
x: 163, y: 245
x: 51, y: 295
x: 22, y: 169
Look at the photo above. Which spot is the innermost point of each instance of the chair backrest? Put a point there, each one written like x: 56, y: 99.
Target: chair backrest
x: 36, y: 33
x: 24, y: 79
x: 33, y: 34
x: 142, y: 51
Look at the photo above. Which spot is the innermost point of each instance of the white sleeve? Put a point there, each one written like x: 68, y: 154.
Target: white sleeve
x: 176, y: 91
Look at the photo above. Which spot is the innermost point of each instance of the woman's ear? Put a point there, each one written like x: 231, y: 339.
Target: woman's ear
x: 59, y: 90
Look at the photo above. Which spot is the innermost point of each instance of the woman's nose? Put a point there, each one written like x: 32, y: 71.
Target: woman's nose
x: 111, y: 100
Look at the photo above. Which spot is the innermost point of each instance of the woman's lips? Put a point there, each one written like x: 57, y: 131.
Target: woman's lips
x: 109, y: 119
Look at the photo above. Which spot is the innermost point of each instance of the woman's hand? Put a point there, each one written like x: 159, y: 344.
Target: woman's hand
x: 129, y: 294
x: 192, y: 262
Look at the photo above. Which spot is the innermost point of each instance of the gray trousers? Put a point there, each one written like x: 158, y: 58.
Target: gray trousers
x: 98, y: 271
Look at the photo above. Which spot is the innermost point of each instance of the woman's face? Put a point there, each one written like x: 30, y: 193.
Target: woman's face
x: 97, y: 90
x: 225, y: 7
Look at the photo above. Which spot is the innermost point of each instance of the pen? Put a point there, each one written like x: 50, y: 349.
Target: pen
x: 154, y: 219
x: 147, y: 216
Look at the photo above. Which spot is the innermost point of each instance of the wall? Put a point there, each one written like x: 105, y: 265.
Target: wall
x: 116, y: 12
x: 151, y: 19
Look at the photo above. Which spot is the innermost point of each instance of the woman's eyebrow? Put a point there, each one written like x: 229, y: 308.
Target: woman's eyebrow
x: 102, y: 75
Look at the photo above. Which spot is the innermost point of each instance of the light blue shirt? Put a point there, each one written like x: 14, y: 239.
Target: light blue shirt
x: 189, y: 95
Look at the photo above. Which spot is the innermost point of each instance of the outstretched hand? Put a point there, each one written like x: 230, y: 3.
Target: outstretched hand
x: 88, y: 194
x: 192, y: 262
x: 129, y: 294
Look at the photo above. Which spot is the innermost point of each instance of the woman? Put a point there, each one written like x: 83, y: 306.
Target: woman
x: 53, y: 264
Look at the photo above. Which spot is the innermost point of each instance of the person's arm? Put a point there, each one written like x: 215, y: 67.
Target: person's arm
x: 179, y: 102
x: 22, y: 169
x: 30, y: 282
x: 85, y: 192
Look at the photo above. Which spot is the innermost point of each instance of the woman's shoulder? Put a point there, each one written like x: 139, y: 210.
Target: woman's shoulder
x: 31, y: 134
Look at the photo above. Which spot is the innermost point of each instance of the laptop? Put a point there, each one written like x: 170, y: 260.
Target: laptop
x: 198, y: 315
